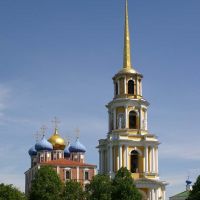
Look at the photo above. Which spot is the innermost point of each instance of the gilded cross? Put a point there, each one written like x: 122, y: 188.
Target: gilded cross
x: 37, y: 136
x: 43, y: 130
x: 55, y: 121
x: 77, y: 131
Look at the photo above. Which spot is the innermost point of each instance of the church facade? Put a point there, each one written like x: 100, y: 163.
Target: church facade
x: 68, y: 160
x: 129, y: 143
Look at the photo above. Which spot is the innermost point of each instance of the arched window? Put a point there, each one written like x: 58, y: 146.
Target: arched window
x: 116, y: 88
x: 130, y: 87
x: 133, y: 120
x: 134, y: 161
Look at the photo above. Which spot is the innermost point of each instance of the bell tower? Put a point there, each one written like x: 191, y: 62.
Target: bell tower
x: 129, y: 143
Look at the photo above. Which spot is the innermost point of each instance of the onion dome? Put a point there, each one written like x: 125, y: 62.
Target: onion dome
x: 43, y: 145
x: 32, y: 151
x: 66, y: 151
x: 188, y: 182
x: 57, y: 142
x: 77, y: 147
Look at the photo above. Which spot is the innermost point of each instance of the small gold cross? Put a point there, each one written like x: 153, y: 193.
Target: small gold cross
x: 55, y: 121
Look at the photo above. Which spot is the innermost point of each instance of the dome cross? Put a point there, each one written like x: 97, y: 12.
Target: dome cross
x: 43, y: 129
x: 55, y: 122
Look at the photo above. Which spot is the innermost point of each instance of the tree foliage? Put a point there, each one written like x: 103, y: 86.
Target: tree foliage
x: 9, y: 192
x: 100, y: 188
x: 73, y: 191
x: 46, y: 185
x: 124, y: 187
x: 195, y: 192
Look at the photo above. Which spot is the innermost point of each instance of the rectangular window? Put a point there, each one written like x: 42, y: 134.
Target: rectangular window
x: 67, y: 175
x: 86, y: 175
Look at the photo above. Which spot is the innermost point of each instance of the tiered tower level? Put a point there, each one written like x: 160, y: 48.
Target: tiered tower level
x: 128, y: 143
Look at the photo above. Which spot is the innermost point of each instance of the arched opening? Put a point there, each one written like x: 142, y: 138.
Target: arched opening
x: 133, y: 120
x: 134, y: 161
x: 116, y: 88
x: 130, y: 87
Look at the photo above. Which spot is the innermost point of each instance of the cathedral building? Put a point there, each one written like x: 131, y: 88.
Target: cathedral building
x: 129, y: 143
x: 68, y: 160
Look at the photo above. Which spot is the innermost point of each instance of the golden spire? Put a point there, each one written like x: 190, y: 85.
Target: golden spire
x: 127, y: 49
x: 127, y: 66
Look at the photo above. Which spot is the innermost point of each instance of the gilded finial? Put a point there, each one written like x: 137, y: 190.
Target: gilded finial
x: 127, y: 50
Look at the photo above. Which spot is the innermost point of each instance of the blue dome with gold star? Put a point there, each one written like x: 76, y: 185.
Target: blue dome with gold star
x: 32, y: 151
x: 77, y: 147
x: 43, y: 145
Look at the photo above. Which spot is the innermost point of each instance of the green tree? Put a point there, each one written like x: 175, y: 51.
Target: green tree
x: 195, y: 192
x: 9, y: 192
x: 73, y: 191
x: 100, y: 188
x: 46, y: 185
x: 124, y: 187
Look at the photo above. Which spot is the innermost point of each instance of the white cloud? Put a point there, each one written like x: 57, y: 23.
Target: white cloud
x: 183, y: 150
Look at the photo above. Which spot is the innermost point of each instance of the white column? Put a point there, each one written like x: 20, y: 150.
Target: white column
x: 164, y: 195
x: 100, y: 161
x: 118, y: 83
x: 120, y: 156
x: 77, y: 171
x: 111, y: 160
x: 126, y: 156
x: 103, y: 161
x: 109, y: 121
x: 156, y: 157
x: 146, y: 159
x: 150, y: 159
x: 58, y: 169
x: 117, y: 167
x: 126, y: 117
x: 146, y: 121
x: 114, y: 120
x: 108, y: 159
x: 156, y: 194
x: 141, y: 124
x: 153, y: 159
x: 152, y: 195
x: 124, y: 84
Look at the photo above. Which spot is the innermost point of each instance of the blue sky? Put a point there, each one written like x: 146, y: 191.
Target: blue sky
x: 57, y: 58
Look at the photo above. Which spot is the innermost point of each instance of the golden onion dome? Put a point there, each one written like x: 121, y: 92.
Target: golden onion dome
x: 56, y: 140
